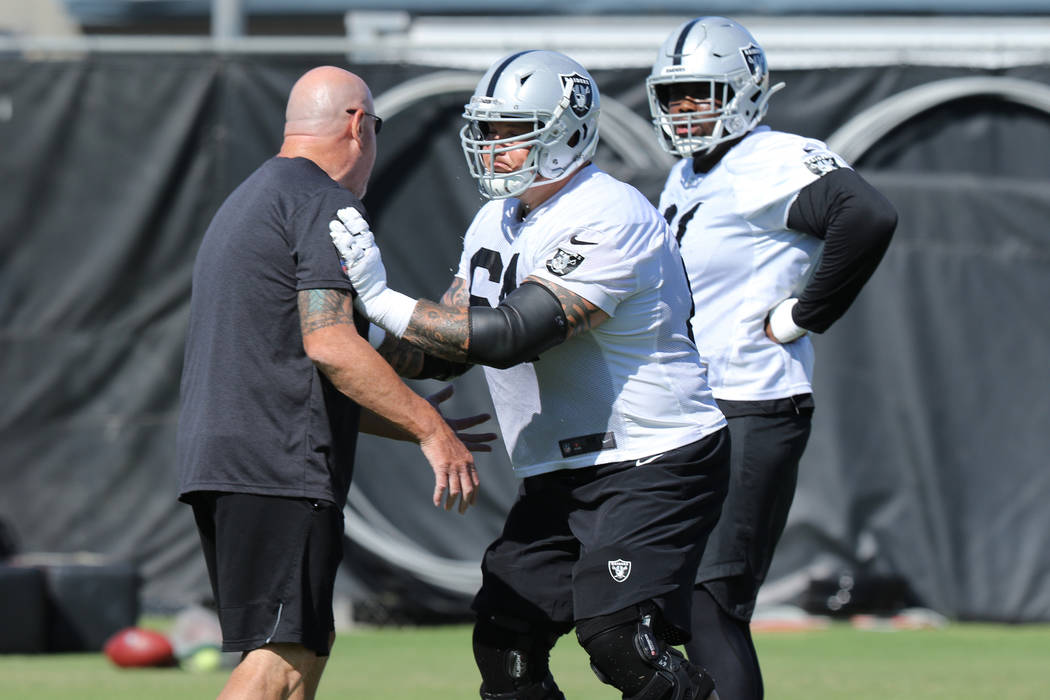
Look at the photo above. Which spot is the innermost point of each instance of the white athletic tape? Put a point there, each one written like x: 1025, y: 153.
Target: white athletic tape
x: 782, y: 325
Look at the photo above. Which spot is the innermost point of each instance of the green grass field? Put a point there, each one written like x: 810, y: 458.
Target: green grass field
x: 959, y: 661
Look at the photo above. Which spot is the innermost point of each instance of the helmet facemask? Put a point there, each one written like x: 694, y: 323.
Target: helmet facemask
x: 688, y: 132
x: 481, y: 151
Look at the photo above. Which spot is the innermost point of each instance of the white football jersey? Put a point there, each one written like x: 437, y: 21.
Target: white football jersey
x: 742, y: 259
x: 632, y: 387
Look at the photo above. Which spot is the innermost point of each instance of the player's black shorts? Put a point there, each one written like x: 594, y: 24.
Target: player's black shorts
x: 764, y: 471
x: 585, y: 542
x: 272, y: 562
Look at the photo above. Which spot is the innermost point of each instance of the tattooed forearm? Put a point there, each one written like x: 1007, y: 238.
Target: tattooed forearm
x: 406, y: 359
x: 320, y: 308
x: 457, y: 294
x: 443, y: 331
x: 581, y: 314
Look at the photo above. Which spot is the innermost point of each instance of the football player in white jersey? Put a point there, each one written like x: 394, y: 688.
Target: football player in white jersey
x: 572, y: 293
x: 778, y: 235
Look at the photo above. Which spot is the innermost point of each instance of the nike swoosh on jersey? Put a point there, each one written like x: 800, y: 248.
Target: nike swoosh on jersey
x: 646, y: 460
x: 576, y: 241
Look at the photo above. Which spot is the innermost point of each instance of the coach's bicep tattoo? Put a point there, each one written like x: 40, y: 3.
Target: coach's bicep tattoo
x: 580, y: 314
x: 320, y: 308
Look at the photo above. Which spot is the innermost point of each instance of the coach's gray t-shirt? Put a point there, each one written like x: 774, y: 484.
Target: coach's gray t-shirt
x: 256, y: 416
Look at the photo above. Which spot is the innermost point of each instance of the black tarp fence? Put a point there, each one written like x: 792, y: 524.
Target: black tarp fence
x: 928, y: 459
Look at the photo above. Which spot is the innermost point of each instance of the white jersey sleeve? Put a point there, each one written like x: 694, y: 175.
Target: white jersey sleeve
x: 773, y: 167
x: 591, y: 263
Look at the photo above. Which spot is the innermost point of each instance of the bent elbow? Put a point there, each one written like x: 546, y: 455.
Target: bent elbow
x: 529, y: 321
x: 885, y: 223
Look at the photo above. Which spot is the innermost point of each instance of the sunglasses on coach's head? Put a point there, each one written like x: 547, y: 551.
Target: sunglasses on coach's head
x: 379, y: 120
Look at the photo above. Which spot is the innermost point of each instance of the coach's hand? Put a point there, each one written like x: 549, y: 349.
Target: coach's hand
x: 475, y: 442
x: 363, y: 266
x: 453, y: 465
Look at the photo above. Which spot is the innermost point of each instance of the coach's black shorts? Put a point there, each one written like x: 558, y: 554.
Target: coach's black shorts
x: 272, y: 563
x: 585, y: 542
x: 766, y: 451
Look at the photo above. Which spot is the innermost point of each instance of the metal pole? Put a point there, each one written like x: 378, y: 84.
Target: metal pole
x: 227, y: 19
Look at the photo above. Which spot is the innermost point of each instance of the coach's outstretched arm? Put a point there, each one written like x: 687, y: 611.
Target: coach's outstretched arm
x: 533, y: 318
x: 354, y: 368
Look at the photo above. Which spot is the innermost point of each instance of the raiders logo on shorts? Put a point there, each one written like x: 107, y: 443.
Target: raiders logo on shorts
x: 563, y: 262
x: 619, y: 570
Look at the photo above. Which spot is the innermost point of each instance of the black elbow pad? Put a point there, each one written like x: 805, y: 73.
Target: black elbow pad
x: 529, y: 321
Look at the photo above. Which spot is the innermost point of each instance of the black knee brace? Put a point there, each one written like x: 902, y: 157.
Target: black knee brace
x: 627, y: 654
x: 513, y: 657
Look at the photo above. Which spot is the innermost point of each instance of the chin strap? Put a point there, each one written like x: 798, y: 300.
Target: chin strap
x: 765, y: 99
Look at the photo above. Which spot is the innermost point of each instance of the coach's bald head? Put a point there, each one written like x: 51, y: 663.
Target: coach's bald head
x: 325, y: 122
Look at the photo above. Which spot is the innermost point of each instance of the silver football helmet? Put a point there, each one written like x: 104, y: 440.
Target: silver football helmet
x: 727, y: 66
x: 551, y: 93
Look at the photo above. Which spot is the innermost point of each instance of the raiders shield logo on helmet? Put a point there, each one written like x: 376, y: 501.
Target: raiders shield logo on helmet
x: 755, y: 60
x: 563, y: 262
x: 619, y: 570
x: 582, y: 97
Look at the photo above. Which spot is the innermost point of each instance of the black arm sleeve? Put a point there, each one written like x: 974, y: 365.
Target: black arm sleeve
x: 439, y: 368
x: 527, y: 322
x: 856, y: 223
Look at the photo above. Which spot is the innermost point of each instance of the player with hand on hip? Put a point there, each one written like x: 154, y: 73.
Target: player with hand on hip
x: 571, y: 292
x: 752, y: 210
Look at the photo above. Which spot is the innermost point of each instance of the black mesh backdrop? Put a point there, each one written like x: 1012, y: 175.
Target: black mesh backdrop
x: 927, y: 456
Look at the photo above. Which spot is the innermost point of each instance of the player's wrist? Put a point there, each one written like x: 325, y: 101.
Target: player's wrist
x: 389, y: 310
x: 782, y: 324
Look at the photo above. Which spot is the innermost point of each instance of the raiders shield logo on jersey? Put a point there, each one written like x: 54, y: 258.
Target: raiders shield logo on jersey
x: 563, y: 262
x: 582, y: 97
x: 619, y: 570
x: 821, y: 164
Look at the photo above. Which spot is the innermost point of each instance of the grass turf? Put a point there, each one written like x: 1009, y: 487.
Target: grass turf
x: 962, y: 660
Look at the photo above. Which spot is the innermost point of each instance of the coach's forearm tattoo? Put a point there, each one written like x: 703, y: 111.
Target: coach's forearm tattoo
x: 443, y: 331
x: 320, y: 308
